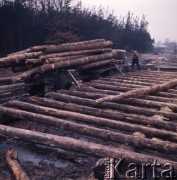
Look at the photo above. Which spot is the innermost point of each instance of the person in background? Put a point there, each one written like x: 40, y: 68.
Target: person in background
x: 135, y: 59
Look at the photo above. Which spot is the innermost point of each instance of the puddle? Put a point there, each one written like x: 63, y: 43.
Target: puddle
x: 27, y: 154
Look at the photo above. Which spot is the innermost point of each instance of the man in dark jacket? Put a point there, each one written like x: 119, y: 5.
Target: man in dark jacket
x: 135, y: 59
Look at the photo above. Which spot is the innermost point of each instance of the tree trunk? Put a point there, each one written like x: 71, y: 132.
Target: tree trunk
x: 58, y: 65
x: 19, y: 58
x: 78, y: 46
x: 139, y: 92
x: 115, y: 106
x: 71, y: 53
x: 101, y: 63
x: 80, y: 146
x: 138, y: 142
x: 29, y: 50
x: 104, y: 113
x: 11, y: 158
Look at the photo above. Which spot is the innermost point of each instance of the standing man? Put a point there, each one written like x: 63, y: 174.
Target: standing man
x: 135, y: 59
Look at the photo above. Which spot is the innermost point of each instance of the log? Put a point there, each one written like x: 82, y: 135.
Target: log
x: 71, y: 53
x: 114, y: 90
x: 149, y: 101
x: 139, y: 92
x: 12, y: 86
x: 18, y: 172
x: 58, y: 65
x: 29, y: 50
x: 163, y: 94
x: 78, y: 46
x: 126, y: 108
x: 94, y: 94
x: 128, y: 81
x: 104, y: 113
x: 51, y: 60
x: 19, y: 58
x: 59, y: 59
x: 139, y: 79
x: 117, y: 84
x: 115, y: 106
x: 101, y: 63
x: 138, y: 142
x: 80, y: 146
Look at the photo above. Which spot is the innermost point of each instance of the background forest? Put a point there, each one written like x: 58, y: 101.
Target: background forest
x: 25, y: 23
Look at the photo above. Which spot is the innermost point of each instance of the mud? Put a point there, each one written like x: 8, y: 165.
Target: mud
x: 42, y: 162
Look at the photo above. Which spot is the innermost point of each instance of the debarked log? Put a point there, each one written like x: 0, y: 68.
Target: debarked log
x: 138, y: 92
x: 64, y: 64
x: 80, y: 146
x: 18, y: 172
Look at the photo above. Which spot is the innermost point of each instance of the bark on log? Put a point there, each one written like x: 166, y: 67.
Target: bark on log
x: 163, y: 94
x: 139, y: 79
x: 138, y: 142
x: 128, y: 81
x: 12, y: 86
x: 18, y: 172
x: 19, y: 58
x: 140, y: 102
x: 80, y: 146
x: 127, y: 107
x: 104, y: 113
x: 78, y: 46
x: 101, y: 63
x: 117, y: 84
x: 138, y: 92
x: 59, y: 65
x: 59, y: 59
x: 29, y: 50
x: 113, y: 89
x: 154, y: 100
x: 112, y: 106
x: 72, y: 53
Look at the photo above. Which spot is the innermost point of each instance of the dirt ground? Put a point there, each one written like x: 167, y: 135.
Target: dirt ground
x: 41, y: 162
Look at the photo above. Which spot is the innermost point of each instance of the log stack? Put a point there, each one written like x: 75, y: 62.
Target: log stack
x: 49, y: 58
x: 40, y: 69
x: 138, y: 128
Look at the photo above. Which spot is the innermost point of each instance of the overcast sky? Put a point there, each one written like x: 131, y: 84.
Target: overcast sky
x: 161, y: 14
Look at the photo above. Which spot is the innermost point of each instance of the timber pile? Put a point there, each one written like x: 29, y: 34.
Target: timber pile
x: 165, y: 62
x: 50, y: 58
x: 40, y: 69
x: 146, y: 124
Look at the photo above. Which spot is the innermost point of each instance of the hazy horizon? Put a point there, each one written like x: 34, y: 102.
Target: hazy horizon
x: 159, y: 13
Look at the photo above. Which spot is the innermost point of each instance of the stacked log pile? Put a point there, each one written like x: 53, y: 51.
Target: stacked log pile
x: 39, y: 69
x: 47, y: 58
x: 146, y: 124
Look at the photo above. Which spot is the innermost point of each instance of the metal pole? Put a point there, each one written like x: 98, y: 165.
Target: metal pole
x: 119, y: 69
x: 74, y: 79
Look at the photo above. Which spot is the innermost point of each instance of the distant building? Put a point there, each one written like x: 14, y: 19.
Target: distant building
x: 160, y: 48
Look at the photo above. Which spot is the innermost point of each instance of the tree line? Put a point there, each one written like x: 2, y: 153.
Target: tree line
x: 25, y: 23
